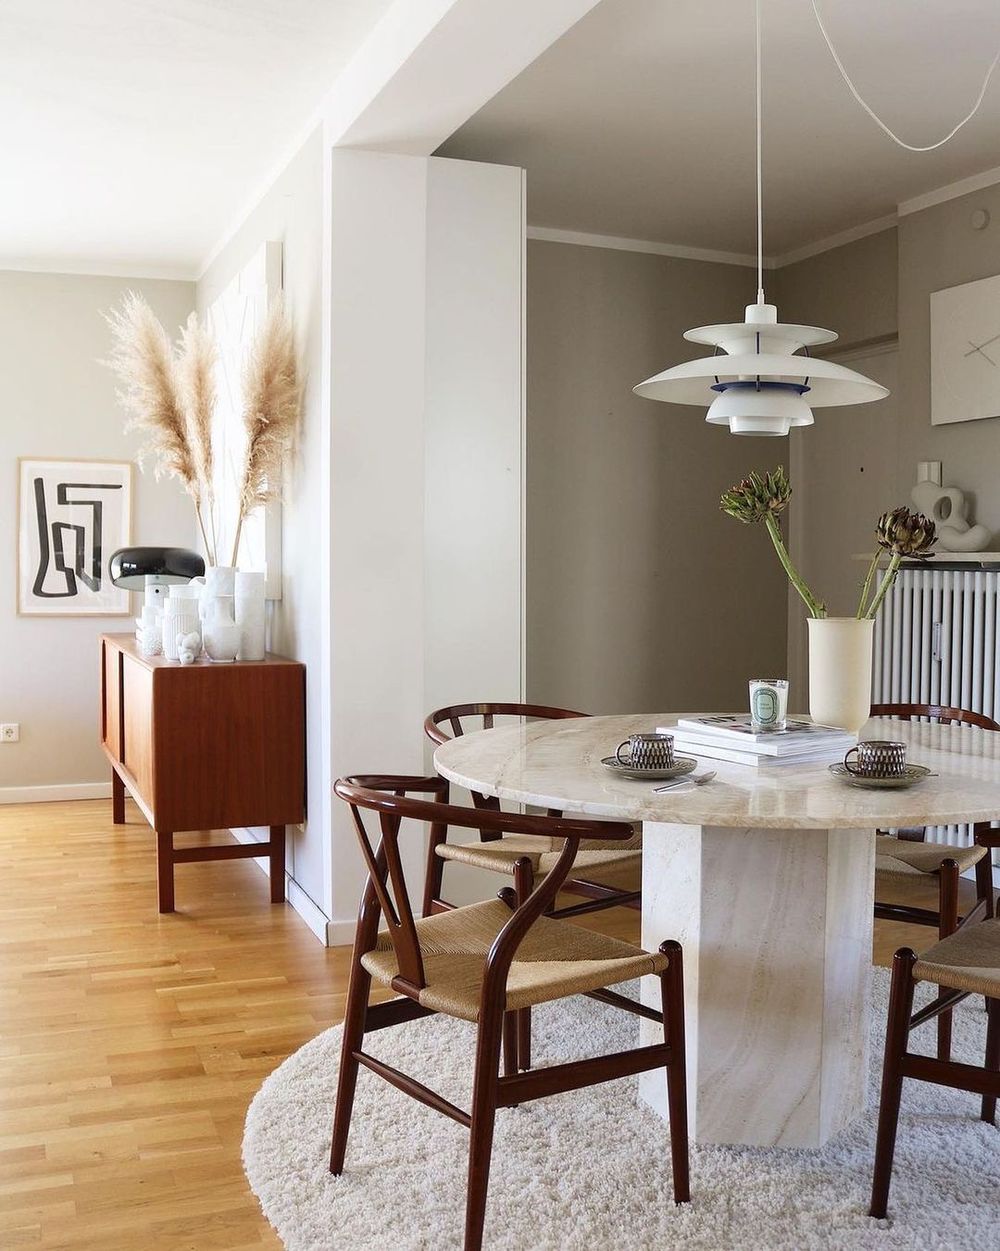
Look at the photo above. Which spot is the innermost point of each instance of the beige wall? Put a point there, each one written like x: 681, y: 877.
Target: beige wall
x: 939, y: 248
x: 59, y: 401
x: 844, y: 468
x: 850, y: 289
x: 641, y: 594
x: 291, y: 212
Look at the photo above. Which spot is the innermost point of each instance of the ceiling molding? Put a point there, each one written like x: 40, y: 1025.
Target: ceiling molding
x: 585, y: 240
x: 89, y: 267
x: 951, y: 191
x: 655, y: 248
x: 836, y: 241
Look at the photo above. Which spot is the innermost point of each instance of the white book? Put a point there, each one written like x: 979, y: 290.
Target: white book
x: 798, y: 738
x: 715, y: 751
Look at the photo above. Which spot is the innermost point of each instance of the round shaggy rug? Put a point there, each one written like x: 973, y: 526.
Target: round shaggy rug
x: 590, y: 1171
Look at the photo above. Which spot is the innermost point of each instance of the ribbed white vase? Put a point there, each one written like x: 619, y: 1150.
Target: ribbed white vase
x: 840, y: 671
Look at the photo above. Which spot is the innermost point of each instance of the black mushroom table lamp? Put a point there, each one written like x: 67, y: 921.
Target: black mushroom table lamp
x: 150, y: 568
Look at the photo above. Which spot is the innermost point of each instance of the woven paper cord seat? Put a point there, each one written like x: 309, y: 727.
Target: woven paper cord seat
x: 555, y: 959
x: 967, y: 960
x: 611, y: 864
x: 899, y: 858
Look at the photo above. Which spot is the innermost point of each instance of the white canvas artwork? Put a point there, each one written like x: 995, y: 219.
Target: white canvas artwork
x: 72, y: 514
x: 234, y: 317
x: 965, y: 352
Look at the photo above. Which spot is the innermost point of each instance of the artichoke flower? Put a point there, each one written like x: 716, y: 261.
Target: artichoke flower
x: 755, y: 498
x: 905, y: 534
x: 763, y: 498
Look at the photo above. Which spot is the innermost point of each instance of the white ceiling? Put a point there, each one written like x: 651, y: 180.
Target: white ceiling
x: 639, y: 121
x: 133, y: 131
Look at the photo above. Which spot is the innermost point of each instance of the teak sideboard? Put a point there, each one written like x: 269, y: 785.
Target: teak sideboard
x: 204, y: 747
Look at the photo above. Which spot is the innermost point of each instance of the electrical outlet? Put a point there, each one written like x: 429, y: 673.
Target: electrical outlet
x: 10, y: 732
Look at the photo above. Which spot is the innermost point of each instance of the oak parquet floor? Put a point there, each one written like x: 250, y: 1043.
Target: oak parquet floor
x: 131, y: 1043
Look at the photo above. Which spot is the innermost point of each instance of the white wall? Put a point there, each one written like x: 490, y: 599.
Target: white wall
x: 425, y: 343
x: 291, y: 212
x: 57, y: 400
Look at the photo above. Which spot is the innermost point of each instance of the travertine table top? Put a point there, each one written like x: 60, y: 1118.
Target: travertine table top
x: 557, y: 764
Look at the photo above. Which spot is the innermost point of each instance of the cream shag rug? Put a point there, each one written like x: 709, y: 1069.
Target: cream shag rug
x: 590, y: 1171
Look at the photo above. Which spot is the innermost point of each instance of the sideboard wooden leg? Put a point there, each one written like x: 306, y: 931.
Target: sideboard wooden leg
x: 277, y: 857
x: 165, y: 870
x: 117, y: 798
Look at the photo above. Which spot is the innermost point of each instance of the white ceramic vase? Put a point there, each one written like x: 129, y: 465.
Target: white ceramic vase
x: 220, y: 633
x: 840, y: 671
x: 219, y: 580
x: 250, y: 614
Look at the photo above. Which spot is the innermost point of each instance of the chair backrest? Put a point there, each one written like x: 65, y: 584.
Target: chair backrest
x: 455, y: 713
x: 385, y: 890
x: 935, y: 712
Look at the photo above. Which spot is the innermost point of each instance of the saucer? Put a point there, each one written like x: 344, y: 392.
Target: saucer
x: 681, y: 765
x: 911, y: 775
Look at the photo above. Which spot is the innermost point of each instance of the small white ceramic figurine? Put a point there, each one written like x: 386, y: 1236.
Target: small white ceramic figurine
x: 188, y: 647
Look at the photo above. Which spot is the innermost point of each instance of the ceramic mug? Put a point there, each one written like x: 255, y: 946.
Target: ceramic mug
x: 647, y: 751
x: 877, y: 758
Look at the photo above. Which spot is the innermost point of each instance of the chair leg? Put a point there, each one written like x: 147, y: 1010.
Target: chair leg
x: 433, y: 877
x: 947, y: 924
x: 524, y: 884
x: 510, y: 1044
x: 989, y: 1111
x: 484, y: 1108
x: 672, y: 1000
x: 984, y: 882
x: 896, y: 1036
x: 354, y: 1032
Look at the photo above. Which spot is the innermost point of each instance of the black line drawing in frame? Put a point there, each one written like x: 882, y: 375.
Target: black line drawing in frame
x: 71, y: 515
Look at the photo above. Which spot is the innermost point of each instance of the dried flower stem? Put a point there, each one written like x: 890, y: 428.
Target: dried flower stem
x: 815, y: 606
x: 866, y: 588
x: 272, y: 400
x: 889, y: 577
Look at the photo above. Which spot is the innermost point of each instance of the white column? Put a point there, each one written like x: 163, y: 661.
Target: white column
x: 776, y: 927
x: 425, y: 445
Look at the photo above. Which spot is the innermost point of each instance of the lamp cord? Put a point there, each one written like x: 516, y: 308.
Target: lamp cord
x: 910, y: 147
x: 760, y: 198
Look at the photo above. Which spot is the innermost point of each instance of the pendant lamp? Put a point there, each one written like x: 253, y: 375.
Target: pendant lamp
x: 761, y: 379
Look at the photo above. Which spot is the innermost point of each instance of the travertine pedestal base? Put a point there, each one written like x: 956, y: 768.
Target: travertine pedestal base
x: 776, y: 927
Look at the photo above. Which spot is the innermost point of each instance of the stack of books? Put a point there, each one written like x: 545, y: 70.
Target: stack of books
x: 733, y: 738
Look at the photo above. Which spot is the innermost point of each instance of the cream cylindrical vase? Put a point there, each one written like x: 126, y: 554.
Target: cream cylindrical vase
x: 840, y: 671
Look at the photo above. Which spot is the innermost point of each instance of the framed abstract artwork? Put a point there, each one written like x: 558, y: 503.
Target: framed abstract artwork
x: 965, y: 352
x: 71, y: 515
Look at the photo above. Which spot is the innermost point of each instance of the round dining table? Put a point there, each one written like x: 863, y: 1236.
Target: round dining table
x: 766, y: 877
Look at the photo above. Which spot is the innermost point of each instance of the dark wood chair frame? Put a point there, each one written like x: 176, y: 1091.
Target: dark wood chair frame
x: 599, y: 896
x: 900, y: 1063
x: 385, y: 895
x: 947, y: 917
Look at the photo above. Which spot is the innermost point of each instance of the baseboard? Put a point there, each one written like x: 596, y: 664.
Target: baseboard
x: 340, y: 933
x: 304, y: 905
x: 52, y: 794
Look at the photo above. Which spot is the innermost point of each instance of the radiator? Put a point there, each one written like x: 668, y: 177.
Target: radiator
x: 936, y: 643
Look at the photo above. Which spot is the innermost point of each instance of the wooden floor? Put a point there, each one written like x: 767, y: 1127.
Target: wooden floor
x: 131, y: 1044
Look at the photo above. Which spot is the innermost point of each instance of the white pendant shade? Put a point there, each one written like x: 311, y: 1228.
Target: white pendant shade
x: 758, y: 383
x: 752, y: 411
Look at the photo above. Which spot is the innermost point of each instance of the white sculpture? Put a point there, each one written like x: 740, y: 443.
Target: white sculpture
x: 948, y: 509
x: 188, y: 647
